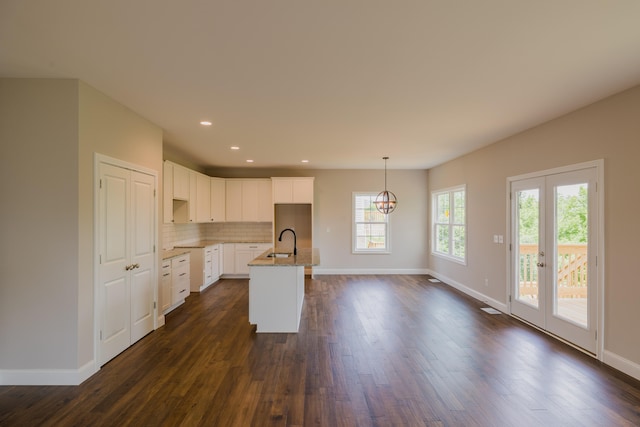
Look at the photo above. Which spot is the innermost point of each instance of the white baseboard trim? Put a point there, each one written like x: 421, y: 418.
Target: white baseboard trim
x: 318, y: 271
x: 471, y: 292
x: 47, y: 376
x: 160, y: 321
x: 621, y: 364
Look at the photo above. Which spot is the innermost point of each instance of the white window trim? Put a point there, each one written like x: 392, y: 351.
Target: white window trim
x: 450, y: 190
x: 375, y: 251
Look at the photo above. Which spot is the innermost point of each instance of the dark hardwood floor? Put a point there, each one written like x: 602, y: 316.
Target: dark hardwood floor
x: 371, y: 351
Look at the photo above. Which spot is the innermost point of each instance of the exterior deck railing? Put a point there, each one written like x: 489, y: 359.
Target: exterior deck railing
x: 571, y: 274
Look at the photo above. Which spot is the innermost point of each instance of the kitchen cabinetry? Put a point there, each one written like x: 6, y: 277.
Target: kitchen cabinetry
x: 203, y: 198
x: 180, y: 182
x: 165, y: 284
x: 217, y: 200
x: 292, y: 190
x: 180, y: 276
x: 167, y: 192
x: 238, y: 255
x: 178, y: 193
x: 249, y: 200
x: 204, y: 264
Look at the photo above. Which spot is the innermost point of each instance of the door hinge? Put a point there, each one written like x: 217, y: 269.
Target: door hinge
x: 100, y: 182
x: 596, y: 331
x: 100, y: 262
x: 509, y: 298
x: 509, y: 247
x: 101, y: 335
x: 154, y: 249
x: 154, y: 193
x: 154, y: 305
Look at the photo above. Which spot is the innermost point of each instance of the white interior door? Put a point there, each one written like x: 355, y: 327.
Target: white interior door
x: 142, y: 255
x: 127, y: 269
x: 554, y: 278
x: 115, y: 280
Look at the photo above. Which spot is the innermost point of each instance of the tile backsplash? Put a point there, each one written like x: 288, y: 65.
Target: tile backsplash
x: 173, y: 234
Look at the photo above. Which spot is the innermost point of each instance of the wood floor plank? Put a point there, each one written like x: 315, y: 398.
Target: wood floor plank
x: 371, y: 351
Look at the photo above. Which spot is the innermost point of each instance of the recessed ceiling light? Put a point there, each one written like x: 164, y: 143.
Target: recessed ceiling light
x: 304, y: 161
x: 205, y: 123
x: 235, y: 147
x: 249, y: 161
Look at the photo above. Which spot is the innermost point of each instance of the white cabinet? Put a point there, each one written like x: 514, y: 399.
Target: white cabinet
x: 180, y: 182
x: 228, y: 258
x: 167, y: 192
x: 203, y: 198
x: 165, y: 284
x: 192, y: 201
x: 179, y: 194
x: 217, y: 200
x: 249, y: 200
x: 180, y: 275
x: 292, y: 190
x: 237, y: 255
x: 174, y: 281
x: 233, y: 200
x: 204, y: 265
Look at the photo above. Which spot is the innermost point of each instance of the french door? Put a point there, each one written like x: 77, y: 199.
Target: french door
x: 553, y: 254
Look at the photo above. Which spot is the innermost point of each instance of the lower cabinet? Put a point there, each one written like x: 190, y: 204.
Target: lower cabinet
x: 175, y: 281
x: 165, y: 284
x: 180, y: 277
x: 238, y: 255
x: 205, y: 266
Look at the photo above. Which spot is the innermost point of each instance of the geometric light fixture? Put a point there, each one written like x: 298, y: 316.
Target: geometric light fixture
x: 386, y: 201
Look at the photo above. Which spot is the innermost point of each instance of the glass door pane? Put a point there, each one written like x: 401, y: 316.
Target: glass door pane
x: 528, y: 246
x: 571, y: 241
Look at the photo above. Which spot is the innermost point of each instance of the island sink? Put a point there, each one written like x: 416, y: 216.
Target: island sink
x: 279, y: 255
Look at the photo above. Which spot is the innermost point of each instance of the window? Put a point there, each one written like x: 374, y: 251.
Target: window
x: 449, y: 223
x: 370, y: 227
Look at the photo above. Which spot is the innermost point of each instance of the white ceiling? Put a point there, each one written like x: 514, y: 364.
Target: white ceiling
x: 338, y: 82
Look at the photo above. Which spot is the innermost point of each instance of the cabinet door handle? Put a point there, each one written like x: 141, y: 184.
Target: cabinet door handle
x: 183, y: 274
x: 166, y: 274
x: 182, y: 290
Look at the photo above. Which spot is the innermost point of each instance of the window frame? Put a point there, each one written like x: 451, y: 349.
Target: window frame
x: 354, y: 226
x: 451, y: 224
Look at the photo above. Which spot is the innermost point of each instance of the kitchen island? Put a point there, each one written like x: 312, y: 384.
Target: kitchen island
x: 276, y: 289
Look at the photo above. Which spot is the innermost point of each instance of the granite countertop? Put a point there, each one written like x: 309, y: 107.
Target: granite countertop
x: 205, y: 243
x: 172, y: 253
x: 305, y: 257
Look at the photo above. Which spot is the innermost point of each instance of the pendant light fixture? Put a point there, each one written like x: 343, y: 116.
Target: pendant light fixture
x: 386, y: 201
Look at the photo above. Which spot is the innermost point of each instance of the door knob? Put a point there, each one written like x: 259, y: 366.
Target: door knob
x: 540, y: 264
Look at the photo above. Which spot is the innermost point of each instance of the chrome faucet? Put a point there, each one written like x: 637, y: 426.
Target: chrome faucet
x: 295, y: 249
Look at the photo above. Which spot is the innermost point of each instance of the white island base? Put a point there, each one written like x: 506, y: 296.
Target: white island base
x: 276, y: 295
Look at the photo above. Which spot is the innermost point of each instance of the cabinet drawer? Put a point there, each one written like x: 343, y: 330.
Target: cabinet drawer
x: 252, y: 246
x: 180, y: 261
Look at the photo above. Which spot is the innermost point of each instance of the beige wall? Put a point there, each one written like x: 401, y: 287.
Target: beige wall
x: 38, y: 223
x: 609, y: 130
x: 50, y: 130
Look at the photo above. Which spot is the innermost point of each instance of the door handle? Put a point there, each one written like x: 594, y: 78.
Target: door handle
x: 540, y: 264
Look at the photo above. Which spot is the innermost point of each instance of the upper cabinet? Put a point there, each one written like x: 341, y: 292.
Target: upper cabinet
x: 203, y: 198
x: 218, y: 203
x: 180, y: 182
x: 193, y: 197
x: 249, y: 200
x: 292, y: 190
